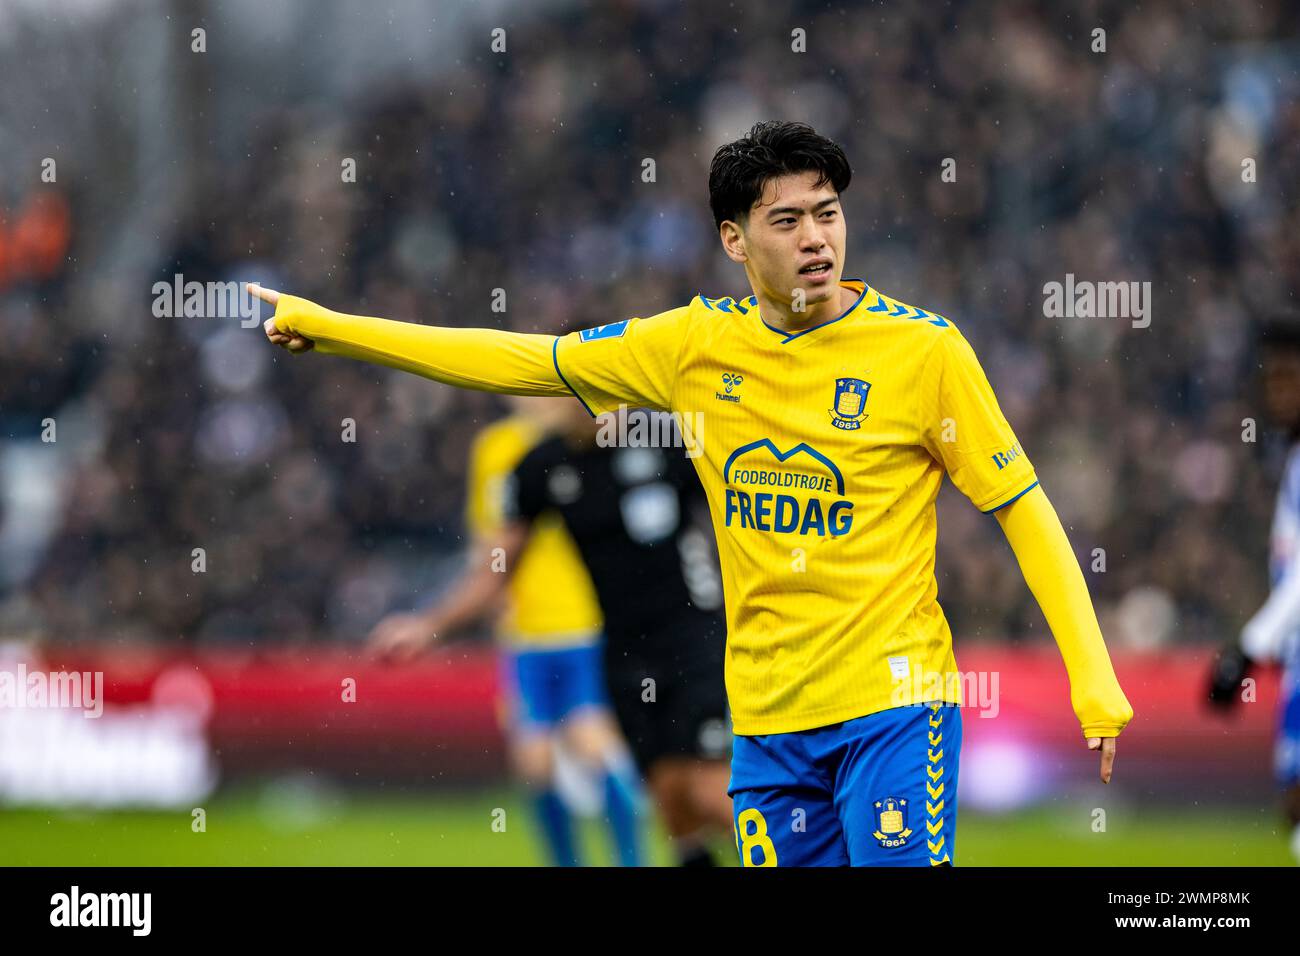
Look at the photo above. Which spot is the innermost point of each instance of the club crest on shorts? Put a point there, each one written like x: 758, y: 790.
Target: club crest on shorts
x: 850, y: 402
x: 891, y: 822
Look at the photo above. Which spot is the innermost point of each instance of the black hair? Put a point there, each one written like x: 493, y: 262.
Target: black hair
x: 740, y: 170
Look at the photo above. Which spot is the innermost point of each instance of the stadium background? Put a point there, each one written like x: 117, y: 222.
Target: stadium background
x: 522, y: 170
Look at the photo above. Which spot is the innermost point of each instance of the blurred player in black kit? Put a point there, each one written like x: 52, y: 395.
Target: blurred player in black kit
x: 632, y: 512
x: 631, y: 508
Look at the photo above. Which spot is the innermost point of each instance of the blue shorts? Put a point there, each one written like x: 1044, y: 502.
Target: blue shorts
x: 1286, y: 754
x: 542, y: 687
x: 879, y: 790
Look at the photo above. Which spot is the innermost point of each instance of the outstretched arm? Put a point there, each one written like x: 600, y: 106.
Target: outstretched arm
x: 482, y: 359
x: 1056, y: 580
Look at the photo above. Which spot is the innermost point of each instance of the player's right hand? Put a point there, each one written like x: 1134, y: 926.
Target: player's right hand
x: 279, y: 327
x: 400, y: 637
x: 1231, y: 665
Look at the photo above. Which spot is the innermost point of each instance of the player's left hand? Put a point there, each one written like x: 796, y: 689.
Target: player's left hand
x: 1107, y: 747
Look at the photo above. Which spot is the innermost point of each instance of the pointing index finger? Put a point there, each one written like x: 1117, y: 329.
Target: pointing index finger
x: 1107, y: 747
x: 266, y: 295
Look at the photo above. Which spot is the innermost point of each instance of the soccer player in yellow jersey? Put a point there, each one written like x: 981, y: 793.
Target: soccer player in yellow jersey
x: 549, y: 628
x: 825, y: 416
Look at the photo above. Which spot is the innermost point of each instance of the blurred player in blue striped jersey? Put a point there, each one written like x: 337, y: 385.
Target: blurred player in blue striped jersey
x: 1272, y: 635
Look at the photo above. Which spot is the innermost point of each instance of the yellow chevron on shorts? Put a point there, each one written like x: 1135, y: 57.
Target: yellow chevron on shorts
x: 935, y: 789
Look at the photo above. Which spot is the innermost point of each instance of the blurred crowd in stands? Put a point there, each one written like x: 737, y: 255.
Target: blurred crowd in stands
x: 524, y: 171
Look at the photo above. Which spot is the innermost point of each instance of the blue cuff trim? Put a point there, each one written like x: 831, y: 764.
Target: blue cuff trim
x: 1009, y: 500
x: 555, y: 357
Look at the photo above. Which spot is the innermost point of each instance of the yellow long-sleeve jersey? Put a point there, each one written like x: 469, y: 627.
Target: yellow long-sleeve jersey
x: 821, y: 453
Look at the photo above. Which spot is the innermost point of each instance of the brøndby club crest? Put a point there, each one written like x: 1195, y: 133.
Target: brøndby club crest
x: 891, y: 822
x: 850, y: 402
